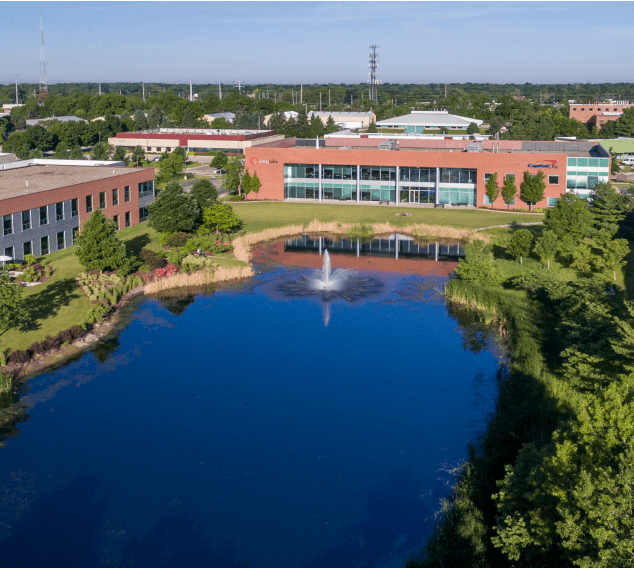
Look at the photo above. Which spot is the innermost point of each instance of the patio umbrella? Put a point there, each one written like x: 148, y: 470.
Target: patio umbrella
x: 4, y: 259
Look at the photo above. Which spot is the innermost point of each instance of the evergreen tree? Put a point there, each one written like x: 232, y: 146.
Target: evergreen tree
x: 331, y: 126
x: 173, y: 211
x: 520, y: 244
x: 188, y: 120
x: 277, y: 122
x: 61, y: 152
x: 10, y: 301
x: 570, y: 216
x: 255, y: 184
x: 204, y: 193
x: 317, y: 127
x: 473, y: 128
x: 532, y: 188
x: 140, y: 120
x: 246, y: 183
x: 492, y: 188
x: 509, y: 191
x: 372, y: 127
x: 302, y: 127
x: 613, y: 256
x: 97, y: 246
x: 76, y: 153
x: 100, y: 151
x: 608, y: 207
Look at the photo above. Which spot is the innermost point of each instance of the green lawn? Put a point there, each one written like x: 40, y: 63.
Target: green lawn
x: 259, y: 216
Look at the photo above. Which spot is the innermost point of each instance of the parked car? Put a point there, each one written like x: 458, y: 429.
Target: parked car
x: 628, y: 162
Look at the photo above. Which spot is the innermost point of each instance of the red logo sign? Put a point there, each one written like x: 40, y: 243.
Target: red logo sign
x: 254, y: 161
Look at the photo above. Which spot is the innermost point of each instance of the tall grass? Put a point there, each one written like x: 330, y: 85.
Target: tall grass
x: 198, y: 279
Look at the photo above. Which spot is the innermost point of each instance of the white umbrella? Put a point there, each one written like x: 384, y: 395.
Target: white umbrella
x: 5, y: 258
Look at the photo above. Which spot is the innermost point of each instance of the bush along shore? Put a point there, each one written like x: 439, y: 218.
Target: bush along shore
x: 551, y: 481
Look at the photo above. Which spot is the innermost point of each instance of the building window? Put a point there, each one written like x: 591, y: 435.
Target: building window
x: 8, y: 252
x: 552, y: 201
x: 127, y: 218
x: 116, y: 221
x: 126, y: 193
x: 27, y: 249
x: 115, y: 197
x: 583, y: 109
x: 8, y: 224
x: 575, y: 108
x: 43, y: 215
x: 509, y: 176
x: 598, y: 108
x: 59, y: 211
x: 60, y: 240
x: 44, y: 245
x: 142, y: 214
x: 26, y: 220
x: 553, y: 180
x: 74, y: 207
x: 146, y: 188
x: 89, y: 204
x: 486, y: 177
x: 102, y: 200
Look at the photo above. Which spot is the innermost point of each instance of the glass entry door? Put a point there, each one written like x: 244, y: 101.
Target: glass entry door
x: 414, y: 196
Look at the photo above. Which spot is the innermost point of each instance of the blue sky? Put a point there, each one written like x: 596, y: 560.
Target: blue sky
x: 289, y: 42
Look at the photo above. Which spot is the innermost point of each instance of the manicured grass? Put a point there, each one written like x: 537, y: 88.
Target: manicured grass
x: 193, y: 164
x: 260, y: 216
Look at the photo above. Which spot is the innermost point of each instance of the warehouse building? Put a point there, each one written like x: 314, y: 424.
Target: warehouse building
x: 43, y: 203
x: 197, y: 140
x: 448, y: 173
x: 420, y: 121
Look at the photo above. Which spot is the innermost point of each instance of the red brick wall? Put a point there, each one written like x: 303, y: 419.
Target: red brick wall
x: 269, y: 164
x: 591, y: 112
x: 81, y: 190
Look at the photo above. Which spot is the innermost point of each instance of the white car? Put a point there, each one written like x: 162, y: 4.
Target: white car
x: 628, y: 162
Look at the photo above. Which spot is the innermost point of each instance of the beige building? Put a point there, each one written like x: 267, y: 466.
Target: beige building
x: 341, y: 119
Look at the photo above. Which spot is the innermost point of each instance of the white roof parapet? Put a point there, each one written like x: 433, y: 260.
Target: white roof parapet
x: 53, y: 162
x: 429, y: 119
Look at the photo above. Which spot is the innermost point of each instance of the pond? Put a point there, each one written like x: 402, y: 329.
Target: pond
x: 255, y: 427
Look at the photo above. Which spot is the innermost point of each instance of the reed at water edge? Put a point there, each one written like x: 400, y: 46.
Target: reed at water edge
x: 198, y: 278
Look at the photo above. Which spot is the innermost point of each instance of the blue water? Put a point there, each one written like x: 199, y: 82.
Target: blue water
x: 244, y: 432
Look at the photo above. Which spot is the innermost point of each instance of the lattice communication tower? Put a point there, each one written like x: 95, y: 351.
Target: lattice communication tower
x: 43, y: 86
x: 373, y: 65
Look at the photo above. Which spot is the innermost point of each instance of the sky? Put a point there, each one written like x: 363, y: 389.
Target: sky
x: 318, y: 42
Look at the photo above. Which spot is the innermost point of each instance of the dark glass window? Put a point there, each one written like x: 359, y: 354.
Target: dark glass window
x: 127, y: 218
x: 8, y: 224
x: 142, y: 214
x: 74, y: 207
x: 115, y: 197
x: 60, y: 240
x: 553, y: 180
x: 27, y: 248
x: 59, y: 211
x: 44, y: 245
x: 43, y: 215
x: 116, y: 221
x: 126, y: 193
x: 146, y: 188
x: 8, y: 251
x: 89, y: 204
x: 26, y: 220
x: 102, y: 200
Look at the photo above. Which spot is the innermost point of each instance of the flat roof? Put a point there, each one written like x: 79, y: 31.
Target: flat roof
x: 619, y: 146
x: 45, y: 178
x: 431, y: 118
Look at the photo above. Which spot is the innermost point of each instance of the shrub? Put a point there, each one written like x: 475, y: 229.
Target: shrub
x: 20, y: 356
x: 38, y: 347
x: 51, y: 343
x: 151, y: 259
x: 30, y: 259
x: 66, y: 336
x: 193, y: 261
x: 48, y: 270
x: 96, y: 314
x: 6, y: 381
x: 176, y: 257
x: 162, y: 238
x: 77, y: 332
x: 3, y: 359
x: 177, y: 239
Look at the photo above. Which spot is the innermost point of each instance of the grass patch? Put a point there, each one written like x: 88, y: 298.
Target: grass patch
x: 261, y: 216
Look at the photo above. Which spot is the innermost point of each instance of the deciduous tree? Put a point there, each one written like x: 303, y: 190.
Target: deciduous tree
x: 546, y: 247
x: 234, y: 173
x: 255, y: 184
x: 100, y: 151
x: 221, y: 217
x: 220, y: 160
x: 570, y: 216
x: 492, y: 188
x: 532, y: 188
x: 205, y: 193
x: 246, y: 183
x: 520, y: 244
x: 509, y: 191
x: 171, y: 168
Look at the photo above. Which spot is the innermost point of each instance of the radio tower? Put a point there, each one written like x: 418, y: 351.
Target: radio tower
x: 373, y: 65
x: 43, y: 85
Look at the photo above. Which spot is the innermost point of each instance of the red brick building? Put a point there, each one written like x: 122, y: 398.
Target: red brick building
x: 598, y: 113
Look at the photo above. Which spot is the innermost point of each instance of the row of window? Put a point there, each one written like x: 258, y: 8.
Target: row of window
x: 589, y: 162
x: 606, y: 109
x: 7, y: 220
x: 552, y: 180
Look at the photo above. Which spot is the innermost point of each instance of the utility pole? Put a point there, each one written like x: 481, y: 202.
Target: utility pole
x: 219, y: 91
x: 16, y: 90
x: 373, y: 65
x: 328, y: 97
x: 99, y: 89
x: 143, y: 91
x: 301, y: 93
x: 319, y: 101
x: 43, y: 83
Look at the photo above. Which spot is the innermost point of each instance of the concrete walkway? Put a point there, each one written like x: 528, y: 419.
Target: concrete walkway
x: 508, y: 225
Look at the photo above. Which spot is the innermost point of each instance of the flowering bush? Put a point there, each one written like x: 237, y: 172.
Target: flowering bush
x: 166, y: 271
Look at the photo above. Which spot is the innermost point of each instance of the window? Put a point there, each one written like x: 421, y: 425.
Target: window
x: 8, y: 224
x: 552, y: 201
x: 116, y: 221
x: 509, y: 176
x: 115, y: 197
x: 59, y: 211
x: 43, y: 215
x: 60, y: 240
x: 553, y: 180
x: 44, y: 245
x: 26, y: 220
x: 8, y: 252
x: 142, y: 214
x: 127, y: 218
x: 89, y: 204
x: 146, y: 188
x: 74, y: 207
x: 598, y: 108
x: 27, y: 249
x: 126, y: 193
x: 486, y: 177
x: 102, y: 200
x: 583, y: 109
x: 575, y: 108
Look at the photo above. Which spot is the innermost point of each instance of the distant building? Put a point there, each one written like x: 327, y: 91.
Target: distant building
x: 44, y: 202
x: 197, y: 140
x: 34, y: 121
x: 228, y: 116
x: 347, y: 119
x: 598, y: 113
x: 420, y: 121
x: 623, y: 148
x: 9, y: 107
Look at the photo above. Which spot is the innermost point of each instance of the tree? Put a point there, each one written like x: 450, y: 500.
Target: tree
x: 35, y: 153
x: 188, y: 120
x: 221, y: 123
x: 277, y: 122
x: 100, y: 151
x: 220, y: 160
x: 155, y: 117
x: 608, y: 207
x: 444, y: 130
x: 120, y: 154
x: 98, y: 247
x: 255, y: 184
x: 546, y: 246
x: 473, y: 128
x: 317, y: 127
x: 204, y: 193
x: 234, y: 173
x: 582, y: 257
x: 615, y: 165
x: 614, y: 255
x: 532, y: 188
x: 302, y: 128
x: 492, y: 188
x: 246, y: 183
x: 140, y: 120
x: 509, y: 191
x: 478, y: 264
x: 139, y: 154
x: 76, y: 153
x: 372, y: 127
x: 570, y: 216
x: 173, y: 210
x: 221, y: 217
x: 170, y: 168
x: 61, y: 152
x: 10, y: 301
x: 331, y: 126
x: 520, y: 244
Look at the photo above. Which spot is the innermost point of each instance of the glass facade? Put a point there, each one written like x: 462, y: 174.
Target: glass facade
x: 142, y: 214
x: 146, y: 188
x: 584, y: 173
x: 457, y: 186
